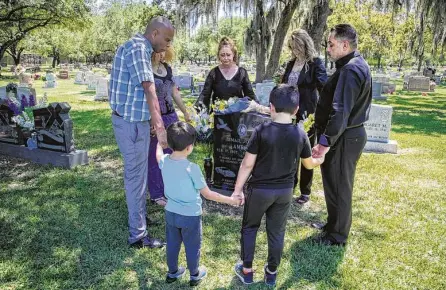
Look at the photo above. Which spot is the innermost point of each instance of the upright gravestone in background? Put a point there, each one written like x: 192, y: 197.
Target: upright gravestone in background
x: 376, y: 91
x: 184, y: 81
x: 231, y: 135
x: 79, y: 80
x: 378, y: 130
x: 101, y: 90
x: 262, y: 92
x: 50, y: 80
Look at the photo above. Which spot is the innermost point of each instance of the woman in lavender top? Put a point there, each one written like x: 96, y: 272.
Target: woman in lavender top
x: 167, y: 93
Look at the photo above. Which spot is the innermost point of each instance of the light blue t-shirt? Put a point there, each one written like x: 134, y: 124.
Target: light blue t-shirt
x: 182, y: 183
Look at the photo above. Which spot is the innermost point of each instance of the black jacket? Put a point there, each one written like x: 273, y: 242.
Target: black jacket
x: 309, y: 83
x: 345, y: 100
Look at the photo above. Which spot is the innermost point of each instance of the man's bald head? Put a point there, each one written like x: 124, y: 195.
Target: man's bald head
x: 160, y: 33
x: 157, y: 23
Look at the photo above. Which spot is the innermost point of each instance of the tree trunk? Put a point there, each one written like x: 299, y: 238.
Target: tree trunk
x: 420, y: 59
x: 325, y: 52
x: 400, y: 61
x: 316, y: 22
x: 15, y: 53
x: 260, y: 34
x: 379, y: 61
x: 420, y: 49
x: 279, y: 37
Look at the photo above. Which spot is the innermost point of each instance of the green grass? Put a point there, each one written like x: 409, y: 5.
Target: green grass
x: 67, y: 229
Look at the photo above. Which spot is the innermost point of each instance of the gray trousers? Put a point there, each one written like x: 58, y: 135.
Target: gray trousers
x: 133, y: 140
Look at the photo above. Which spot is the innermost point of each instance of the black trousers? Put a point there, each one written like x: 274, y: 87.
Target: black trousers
x: 275, y: 203
x: 306, y: 175
x: 338, y: 174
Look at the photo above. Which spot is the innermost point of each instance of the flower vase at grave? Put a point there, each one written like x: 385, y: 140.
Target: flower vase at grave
x: 208, y: 167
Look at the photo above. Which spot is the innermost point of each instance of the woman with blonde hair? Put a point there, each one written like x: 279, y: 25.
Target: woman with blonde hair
x: 227, y: 79
x: 167, y: 93
x: 307, y: 72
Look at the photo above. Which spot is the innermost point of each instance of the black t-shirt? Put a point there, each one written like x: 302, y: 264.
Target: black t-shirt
x: 279, y: 148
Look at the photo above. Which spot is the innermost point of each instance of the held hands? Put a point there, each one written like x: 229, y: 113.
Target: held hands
x: 319, y: 151
x: 238, y: 198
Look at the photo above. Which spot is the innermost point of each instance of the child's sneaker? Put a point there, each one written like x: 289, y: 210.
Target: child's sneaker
x: 195, y: 280
x: 246, y: 278
x: 172, y: 277
x: 270, y: 277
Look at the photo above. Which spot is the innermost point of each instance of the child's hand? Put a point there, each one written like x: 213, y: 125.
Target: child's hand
x: 238, y: 197
x: 187, y: 117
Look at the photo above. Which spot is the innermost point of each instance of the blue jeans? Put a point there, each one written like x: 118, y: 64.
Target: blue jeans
x: 186, y: 229
x: 133, y: 140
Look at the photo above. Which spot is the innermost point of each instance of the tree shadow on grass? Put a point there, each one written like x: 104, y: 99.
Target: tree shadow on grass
x: 428, y: 123
x: 68, y: 229
x: 88, y: 93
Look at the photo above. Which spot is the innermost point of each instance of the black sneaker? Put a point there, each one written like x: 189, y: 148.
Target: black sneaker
x: 172, y: 277
x: 247, y: 278
x: 148, y: 242
x: 270, y: 278
x: 303, y: 198
x: 195, y: 280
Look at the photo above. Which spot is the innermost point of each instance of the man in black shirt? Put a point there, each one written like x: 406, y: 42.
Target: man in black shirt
x: 342, y: 110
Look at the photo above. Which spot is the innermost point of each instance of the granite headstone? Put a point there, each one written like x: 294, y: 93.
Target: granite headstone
x: 378, y: 130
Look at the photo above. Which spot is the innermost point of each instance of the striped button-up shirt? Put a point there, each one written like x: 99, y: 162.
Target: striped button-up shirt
x: 132, y: 66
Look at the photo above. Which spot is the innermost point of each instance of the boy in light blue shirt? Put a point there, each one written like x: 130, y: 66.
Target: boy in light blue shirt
x: 183, y: 183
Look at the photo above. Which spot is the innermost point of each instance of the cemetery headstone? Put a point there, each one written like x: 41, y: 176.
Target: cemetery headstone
x: 9, y: 131
x: 376, y: 91
x: 80, y: 78
x: 184, y: 81
x: 381, y: 78
x: 378, y: 130
x: 418, y: 83
x: 54, y: 127
x: 92, y: 82
x: 63, y: 74
x: 50, y: 80
x: 200, y: 86
x: 51, y: 141
x: 262, y: 92
x: 101, y: 90
x: 231, y: 135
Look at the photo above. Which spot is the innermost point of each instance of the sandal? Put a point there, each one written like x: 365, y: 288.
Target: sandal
x: 303, y: 198
x: 161, y: 201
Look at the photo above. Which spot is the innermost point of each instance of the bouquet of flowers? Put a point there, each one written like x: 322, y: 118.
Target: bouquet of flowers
x: 22, y: 106
x: 203, y: 123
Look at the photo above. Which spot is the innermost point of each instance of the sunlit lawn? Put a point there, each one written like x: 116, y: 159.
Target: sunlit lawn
x: 67, y: 229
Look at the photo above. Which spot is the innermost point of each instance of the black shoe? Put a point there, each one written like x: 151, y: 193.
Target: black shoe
x: 150, y: 222
x: 148, y: 242
x: 327, y: 241
x: 303, y: 198
x: 319, y: 226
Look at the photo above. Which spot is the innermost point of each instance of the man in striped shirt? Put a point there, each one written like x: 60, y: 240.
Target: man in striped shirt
x: 135, y: 110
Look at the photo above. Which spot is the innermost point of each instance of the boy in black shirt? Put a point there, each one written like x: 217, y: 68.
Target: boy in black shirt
x: 271, y: 161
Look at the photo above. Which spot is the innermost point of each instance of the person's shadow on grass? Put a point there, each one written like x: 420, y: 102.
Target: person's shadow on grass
x: 313, y: 263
